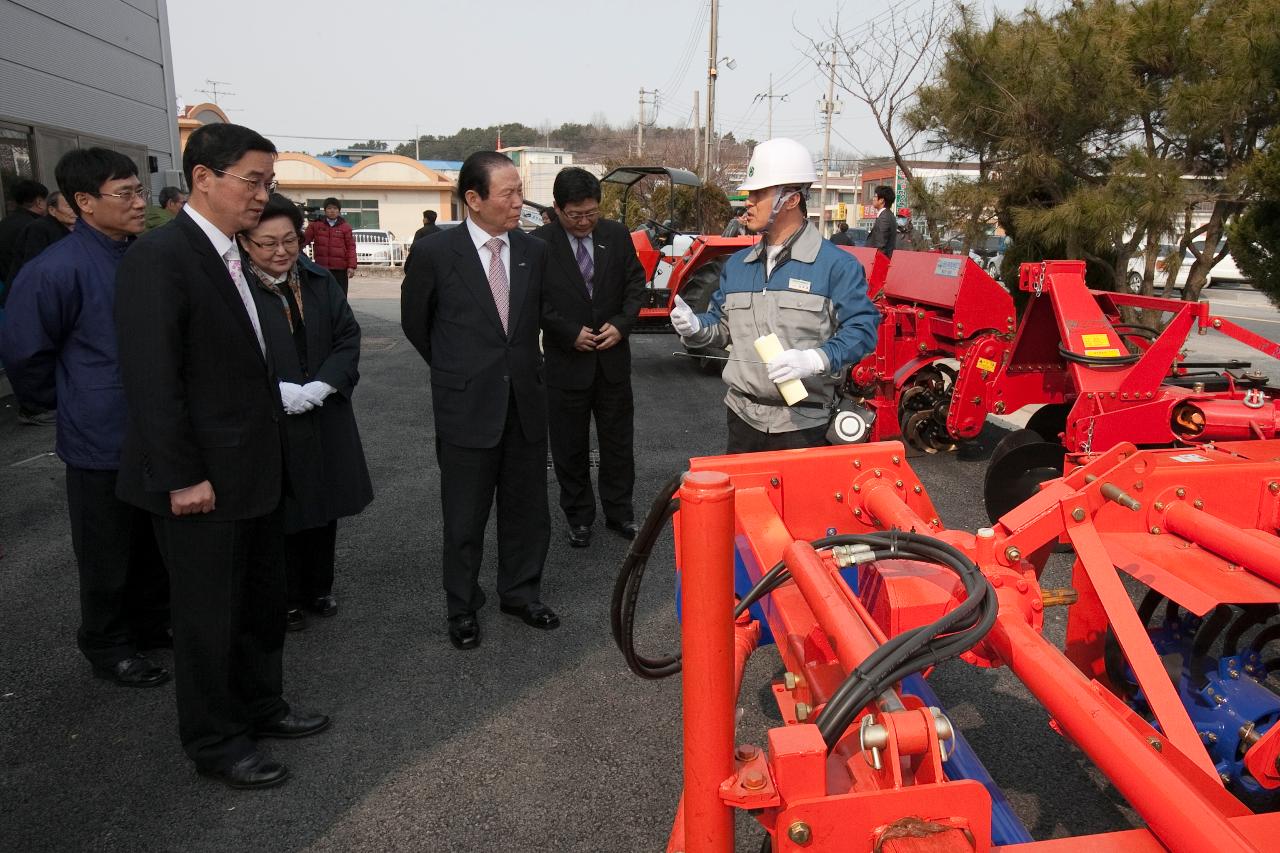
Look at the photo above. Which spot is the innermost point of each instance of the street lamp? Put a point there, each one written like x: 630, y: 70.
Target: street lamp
x: 712, y: 73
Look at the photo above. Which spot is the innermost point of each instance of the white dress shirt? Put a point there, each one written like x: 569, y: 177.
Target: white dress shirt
x: 228, y: 250
x: 479, y: 237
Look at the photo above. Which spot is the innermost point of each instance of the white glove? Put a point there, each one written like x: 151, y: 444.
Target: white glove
x: 796, y: 364
x: 316, y: 391
x: 295, y: 399
x: 683, y: 320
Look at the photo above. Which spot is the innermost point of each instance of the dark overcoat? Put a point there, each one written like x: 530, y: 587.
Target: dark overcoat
x: 324, y: 460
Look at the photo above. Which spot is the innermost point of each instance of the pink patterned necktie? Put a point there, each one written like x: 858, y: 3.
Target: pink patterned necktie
x: 585, y: 265
x: 498, y: 281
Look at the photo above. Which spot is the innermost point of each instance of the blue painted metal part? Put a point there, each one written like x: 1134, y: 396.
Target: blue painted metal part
x: 964, y: 763
x: 1228, y: 702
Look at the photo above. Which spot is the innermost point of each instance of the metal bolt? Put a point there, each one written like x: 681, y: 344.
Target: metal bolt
x: 1021, y: 585
x: 799, y: 833
x: 1198, y: 504
x: 773, y: 481
x: 1217, y: 324
x: 877, y: 472
x: 1274, y: 487
x: 1225, y: 778
x: 897, y: 483
x: 977, y: 401
x: 1137, y: 487
x: 1234, y: 673
x: 1012, y: 554
x: 790, y: 680
x: 934, y: 521
x: 1210, y: 737
x: 839, y: 497
x: 857, y: 463
x: 856, y: 488
x: 1221, y: 700
x: 1078, y: 513
x: 1155, y: 530
x: 896, y: 461
x: 1159, y: 506
x: 745, y: 752
x: 857, y: 512
x: 803, y: 711
x: 1155, y: 743
x: 917, y: 490
x: 1182, y: 493
x: 753, y: 781
x: 997, y: 581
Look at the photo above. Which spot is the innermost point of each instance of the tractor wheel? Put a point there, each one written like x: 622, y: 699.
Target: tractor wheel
x: 1019, y: 464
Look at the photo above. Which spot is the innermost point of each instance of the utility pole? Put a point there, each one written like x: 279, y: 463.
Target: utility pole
x: 711, y: 90
x: 697, y: 130
x: 417, y: 139
x: 640, y: 119
x: 828, y: 107
x: 771, y: 98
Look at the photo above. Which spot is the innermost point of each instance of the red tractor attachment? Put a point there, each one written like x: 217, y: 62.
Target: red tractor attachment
x: 838, y: 555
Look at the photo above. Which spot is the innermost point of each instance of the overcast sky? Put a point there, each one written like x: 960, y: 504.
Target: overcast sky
x: 380, y: 70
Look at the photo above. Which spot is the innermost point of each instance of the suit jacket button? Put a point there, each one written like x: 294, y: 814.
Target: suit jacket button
x: 506, y: 379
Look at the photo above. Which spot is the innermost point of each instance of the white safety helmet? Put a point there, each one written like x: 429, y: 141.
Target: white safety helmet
x: 779, y: 163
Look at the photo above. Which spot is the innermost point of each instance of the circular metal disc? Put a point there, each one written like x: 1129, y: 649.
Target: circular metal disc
x: 1017, y: 475
x: 1050, y: 420
x: 1015, y: 439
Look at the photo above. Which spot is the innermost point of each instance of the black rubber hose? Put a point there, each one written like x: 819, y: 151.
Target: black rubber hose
x: 626, y: 589
x: 957, y: 631
x: 1098, y: 361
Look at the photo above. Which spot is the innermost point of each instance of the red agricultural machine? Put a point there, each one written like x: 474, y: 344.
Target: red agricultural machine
x: 949, y: 354
x: 838, y: 555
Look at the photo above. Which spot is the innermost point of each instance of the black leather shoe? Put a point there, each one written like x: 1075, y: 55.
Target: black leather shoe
x: 295, y: 619
x: 253, y: 771
x: 625, y: 529
x: 137, y: 671
x: 464, y: 631
x: 535, y: 615
x: 579, y: 535
x: 294, y: 724
x: 323, y: 605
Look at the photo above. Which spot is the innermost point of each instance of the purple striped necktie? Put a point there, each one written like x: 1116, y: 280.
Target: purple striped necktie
x: 585, y: 265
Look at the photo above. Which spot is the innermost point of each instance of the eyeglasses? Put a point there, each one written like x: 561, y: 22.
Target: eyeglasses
x: 128, y: 194
x: 290, y: 243
x: 582, y: 216
x: 260, y: 184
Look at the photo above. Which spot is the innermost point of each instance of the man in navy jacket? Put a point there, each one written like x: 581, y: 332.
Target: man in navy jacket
x: 58, y: 345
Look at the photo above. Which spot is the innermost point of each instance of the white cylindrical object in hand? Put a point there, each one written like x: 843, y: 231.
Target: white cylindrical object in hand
x: 769, y: 347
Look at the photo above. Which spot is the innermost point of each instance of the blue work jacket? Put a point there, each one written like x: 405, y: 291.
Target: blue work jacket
x: 58, y: 344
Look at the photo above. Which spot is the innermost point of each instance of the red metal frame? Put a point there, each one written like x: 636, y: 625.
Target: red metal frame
x: 1174, y: 520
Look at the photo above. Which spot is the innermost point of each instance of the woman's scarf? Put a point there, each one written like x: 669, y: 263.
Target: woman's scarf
x: 267, y: 282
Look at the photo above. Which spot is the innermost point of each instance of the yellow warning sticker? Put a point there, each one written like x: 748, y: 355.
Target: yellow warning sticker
x: 986, y: 364
x: 1103, y: 353
x: 1095, y: 340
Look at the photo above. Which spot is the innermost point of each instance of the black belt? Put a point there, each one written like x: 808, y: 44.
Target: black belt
x: 781, y: 404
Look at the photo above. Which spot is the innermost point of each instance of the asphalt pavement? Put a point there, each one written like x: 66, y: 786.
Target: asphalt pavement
x: 534, y: 742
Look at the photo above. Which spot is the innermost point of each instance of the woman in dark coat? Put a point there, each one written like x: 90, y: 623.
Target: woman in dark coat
x: 315, y: 343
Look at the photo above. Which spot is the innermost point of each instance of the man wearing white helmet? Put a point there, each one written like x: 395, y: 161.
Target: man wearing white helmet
x: 796, y: 285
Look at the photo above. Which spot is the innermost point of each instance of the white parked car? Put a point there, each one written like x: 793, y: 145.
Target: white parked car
x: 378, y: 246
x: 1224, y: 271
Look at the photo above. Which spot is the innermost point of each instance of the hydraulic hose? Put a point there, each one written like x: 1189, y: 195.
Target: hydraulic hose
x: 954, y: 633
x: 626, y: 589
x: 1096, y: 360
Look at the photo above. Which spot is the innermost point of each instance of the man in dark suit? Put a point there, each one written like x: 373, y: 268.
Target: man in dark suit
x: 592, y: 293
x: 203, y: 454
x: 471, y: 304
x: 428, y: 225
x: 884, y: 233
